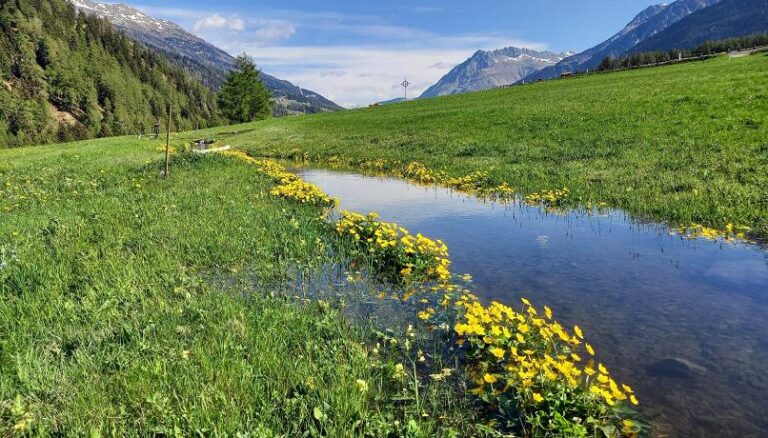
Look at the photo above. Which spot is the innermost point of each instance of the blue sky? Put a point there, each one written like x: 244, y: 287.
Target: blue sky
x: 357, y: 52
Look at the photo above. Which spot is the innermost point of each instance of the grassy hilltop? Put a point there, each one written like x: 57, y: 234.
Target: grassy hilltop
x: 684, y: 143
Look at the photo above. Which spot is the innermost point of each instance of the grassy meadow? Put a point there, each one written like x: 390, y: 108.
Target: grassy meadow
x: 685, y: 143
x: 131, y: 305
x: 134, y: 304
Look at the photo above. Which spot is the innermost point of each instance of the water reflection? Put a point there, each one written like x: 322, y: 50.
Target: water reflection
x: 683, y: 320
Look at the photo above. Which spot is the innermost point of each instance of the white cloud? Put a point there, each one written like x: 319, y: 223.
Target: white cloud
x: 355, y: 76
x: 442, y: 65
x: 217, y: 21
x: 271, y: 31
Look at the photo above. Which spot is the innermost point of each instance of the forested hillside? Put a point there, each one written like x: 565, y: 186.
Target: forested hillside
x: 66, y: 76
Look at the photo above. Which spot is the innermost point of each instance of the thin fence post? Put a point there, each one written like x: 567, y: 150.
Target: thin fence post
x: 168, y: 140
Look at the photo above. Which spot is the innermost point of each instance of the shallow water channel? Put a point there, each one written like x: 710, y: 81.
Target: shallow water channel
x: 685, y: 322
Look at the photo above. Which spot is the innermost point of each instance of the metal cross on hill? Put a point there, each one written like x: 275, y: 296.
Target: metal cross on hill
x: 405, y: 86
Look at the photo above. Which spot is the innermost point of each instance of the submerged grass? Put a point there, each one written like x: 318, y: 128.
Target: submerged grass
x: 684, y: 143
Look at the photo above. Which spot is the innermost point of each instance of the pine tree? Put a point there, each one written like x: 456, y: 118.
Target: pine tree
x: 244, y: 97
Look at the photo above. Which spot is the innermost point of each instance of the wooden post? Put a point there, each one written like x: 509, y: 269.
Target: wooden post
x: 168, y: 140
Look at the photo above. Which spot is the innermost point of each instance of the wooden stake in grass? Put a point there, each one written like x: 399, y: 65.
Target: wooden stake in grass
x: 168, y: 141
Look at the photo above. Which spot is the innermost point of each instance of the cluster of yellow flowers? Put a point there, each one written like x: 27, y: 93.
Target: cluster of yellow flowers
x: 405, y: 256
x: 289, y: 185
x: 377, y: 164
x: 548, y: 198
x: 533, y: 353
x: 475, y: 183
x: 695, y: 231
x: 529, y: 358
x: 304, y: 192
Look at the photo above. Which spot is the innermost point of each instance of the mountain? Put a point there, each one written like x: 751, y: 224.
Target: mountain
x: 491, y: 69
x: 203, y: 60
x: 646, y: 24
x: 391, y: 101
x: 68, y: 76
x: 726, y: 19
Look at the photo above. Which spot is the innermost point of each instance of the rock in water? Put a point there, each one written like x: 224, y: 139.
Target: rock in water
x: 676, y: 367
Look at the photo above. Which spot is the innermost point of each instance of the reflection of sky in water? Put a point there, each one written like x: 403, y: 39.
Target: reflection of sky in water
x: 642, y: 295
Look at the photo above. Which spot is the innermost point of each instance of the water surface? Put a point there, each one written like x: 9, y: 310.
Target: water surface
x: 685, y: 322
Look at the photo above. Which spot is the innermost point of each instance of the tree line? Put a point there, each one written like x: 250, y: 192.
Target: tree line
x: 67, y: 76
x: 706, y: 49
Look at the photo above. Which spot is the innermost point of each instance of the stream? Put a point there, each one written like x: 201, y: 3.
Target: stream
x: 685, y: 322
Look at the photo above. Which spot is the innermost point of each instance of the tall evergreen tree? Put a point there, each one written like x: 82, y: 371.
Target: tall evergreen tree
x: 244, y: 97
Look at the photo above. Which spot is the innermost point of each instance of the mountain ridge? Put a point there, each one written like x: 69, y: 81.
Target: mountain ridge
x: 487, y: 69
x: 203, y: 60
x: 647, y: 23
x: 726, y: 19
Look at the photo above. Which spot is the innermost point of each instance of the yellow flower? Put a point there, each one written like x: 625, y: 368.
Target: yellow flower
x: 548, y: 312
x: 628, y: 428
x: 633, y: 400
x: 498, y: 352
x: 537, y: 397
x: 579, y: 333
x: 490, y: 378
x: 426, y: 314
x: 590, y: 350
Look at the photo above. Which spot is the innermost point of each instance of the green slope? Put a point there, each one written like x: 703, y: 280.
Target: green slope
x: 684, y: 143
x: 66, y: 77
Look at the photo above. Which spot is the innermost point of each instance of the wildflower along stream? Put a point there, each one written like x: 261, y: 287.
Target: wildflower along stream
x: 684, y: 321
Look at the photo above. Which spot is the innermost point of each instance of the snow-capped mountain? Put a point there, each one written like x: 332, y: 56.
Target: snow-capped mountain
x: 646, y: 24
x: 726, y: 19
x: 491, y: 69
x: 126, y: 16
x: 203, y: 60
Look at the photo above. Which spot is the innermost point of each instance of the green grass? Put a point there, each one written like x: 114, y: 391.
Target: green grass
x: 684, y: 143
x: 128, y: 305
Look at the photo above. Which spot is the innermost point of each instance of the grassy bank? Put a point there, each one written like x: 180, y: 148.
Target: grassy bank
x: 683, y: 143
x: 130, y: 304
